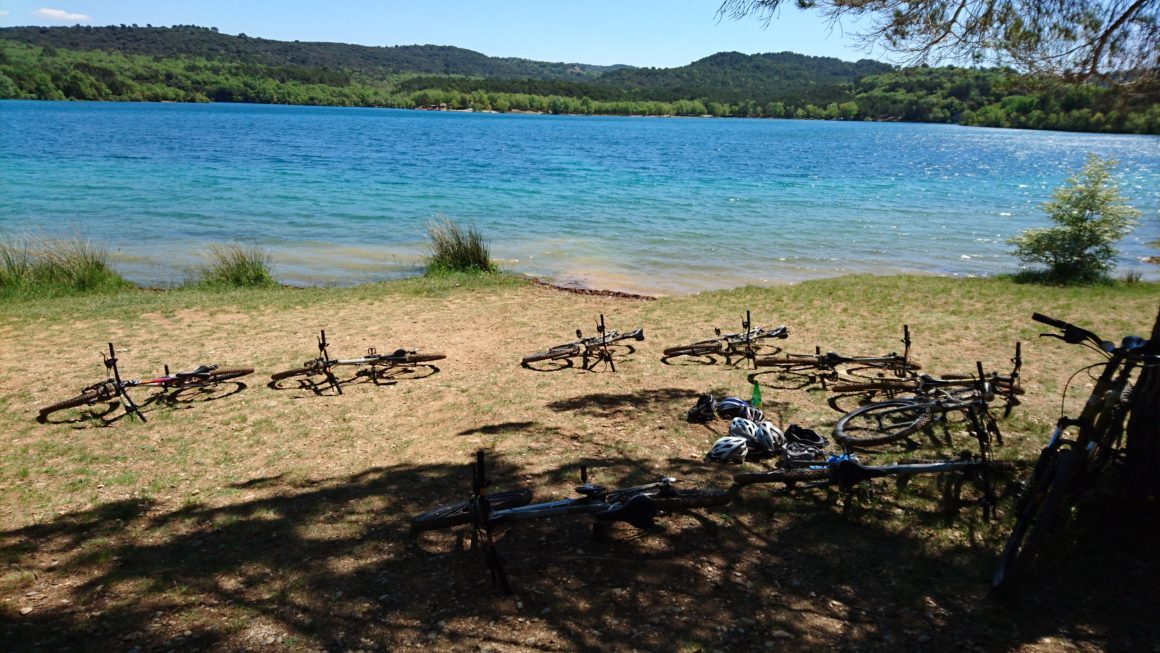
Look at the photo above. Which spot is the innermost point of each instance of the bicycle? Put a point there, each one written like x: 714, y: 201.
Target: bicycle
x: 845, y: 472
x: 896, y: 419
x: 1079, y: 450
x: 823, y: 368
x: 729, y: 344
x: 637, y: 506
x: 379, y: 366
x: 593, y: 350
x: 925, y: 385
x: 112, y: 388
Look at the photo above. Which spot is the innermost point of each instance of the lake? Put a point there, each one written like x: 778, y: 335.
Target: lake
x: 657, y: 205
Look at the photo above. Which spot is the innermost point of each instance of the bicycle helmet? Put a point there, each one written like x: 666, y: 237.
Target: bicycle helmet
x: 704, y: 411
x: 731, y: 407
x: 808, y: 437
x: 769, y: 438
x: 743, y: 428
x: 728, y: 450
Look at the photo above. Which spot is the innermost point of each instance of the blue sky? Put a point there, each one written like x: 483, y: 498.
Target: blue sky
x: 603, y: 32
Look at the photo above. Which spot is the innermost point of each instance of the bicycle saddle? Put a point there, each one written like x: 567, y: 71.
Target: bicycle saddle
x: 201, y: 370
x: 637, y: 511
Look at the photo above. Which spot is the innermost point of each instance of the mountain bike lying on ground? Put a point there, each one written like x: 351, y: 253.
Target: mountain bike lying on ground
x: 593, y: 351
x: 925, y: 385
x: 1080, y: 449
x: 844, y: 472
x: 729, y: 345
x: 637, y: 506
x: 805, y: 369
x: 896, y: 419
x: 203, y: 377
x: 399, y: 364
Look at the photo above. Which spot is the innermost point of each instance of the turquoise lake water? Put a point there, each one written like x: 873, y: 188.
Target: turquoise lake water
x: 657, y: 205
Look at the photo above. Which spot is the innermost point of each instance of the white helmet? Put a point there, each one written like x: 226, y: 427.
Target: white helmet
x: 728, y: 450
x: 769, y: 438
x: 743, y: 428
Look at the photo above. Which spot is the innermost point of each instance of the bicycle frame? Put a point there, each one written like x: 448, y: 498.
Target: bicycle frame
x: 167, y: 381
x: 595, y: 501
x: 1067, y: 467
x: 900, y: 364
x: 593, y: 350
x: 1094, y: 419
x: 925, y: 385
x: 325, y: 364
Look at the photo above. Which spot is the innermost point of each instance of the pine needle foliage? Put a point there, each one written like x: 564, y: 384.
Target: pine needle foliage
x: 1090, y: 216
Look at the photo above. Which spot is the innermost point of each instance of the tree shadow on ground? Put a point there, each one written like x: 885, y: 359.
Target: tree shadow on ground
x: 330, y: 564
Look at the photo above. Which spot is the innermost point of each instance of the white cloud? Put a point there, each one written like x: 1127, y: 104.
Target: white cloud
x: 4, y: 12
x: 60, y: 14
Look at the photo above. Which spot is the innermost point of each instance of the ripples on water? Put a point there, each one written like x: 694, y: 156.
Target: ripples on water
x: 664, y: 205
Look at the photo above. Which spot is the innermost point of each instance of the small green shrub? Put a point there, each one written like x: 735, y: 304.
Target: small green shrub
x: 235, y: 266
x: 457, y: 249
x: 1091, y: 216
x: 56, y: 267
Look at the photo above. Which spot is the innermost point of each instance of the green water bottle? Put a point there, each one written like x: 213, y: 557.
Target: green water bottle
x: 755, y: 401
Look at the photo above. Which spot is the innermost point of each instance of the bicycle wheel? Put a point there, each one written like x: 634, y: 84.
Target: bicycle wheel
x: 298, y: 371
x: 703, y: 348
x: 882, y: 423
x: 1036, y: 515
x: 899, y: 370
x: 84, y: 399
x: 551, y: 354
x: 225, y: 374
x: 460, y: 513
x: 877, y: 385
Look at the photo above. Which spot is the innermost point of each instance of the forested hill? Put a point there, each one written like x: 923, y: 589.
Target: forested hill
x: 736, y: 77
x: 208, y: 43
x: 197, y: 64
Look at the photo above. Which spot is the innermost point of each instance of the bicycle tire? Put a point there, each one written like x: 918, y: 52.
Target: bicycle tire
x: 1038, y: 511
x: 881, y: 385
x: 878, y: 371
x: 551, y: 354
x: 298, y: 371
x: 787, y: 477
x: 691, y: 498
x: 696, y: 349
x: 83, y: 399
x: 229, y: 373
x: 882, y: 423
x: 457, y: 514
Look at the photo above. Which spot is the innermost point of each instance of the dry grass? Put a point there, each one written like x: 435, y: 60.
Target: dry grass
x: 277, y: 519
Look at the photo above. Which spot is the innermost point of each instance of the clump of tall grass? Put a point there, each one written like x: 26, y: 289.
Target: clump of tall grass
x: 457, y: 249
x: 52, y: 268
x: 234, y: 266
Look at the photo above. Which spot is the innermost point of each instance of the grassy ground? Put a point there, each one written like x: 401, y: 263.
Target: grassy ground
x: 276, y: 519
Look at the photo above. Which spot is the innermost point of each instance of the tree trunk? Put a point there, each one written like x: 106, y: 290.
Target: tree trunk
x: 1143, y: 440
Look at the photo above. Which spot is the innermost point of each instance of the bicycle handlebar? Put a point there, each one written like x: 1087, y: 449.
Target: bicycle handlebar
x: 1071, y: 333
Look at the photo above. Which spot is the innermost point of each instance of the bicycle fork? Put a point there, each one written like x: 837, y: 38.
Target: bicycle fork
x: 130, y: 406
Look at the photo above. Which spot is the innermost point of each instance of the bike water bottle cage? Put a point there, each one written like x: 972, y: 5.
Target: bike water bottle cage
x: 638, y: 511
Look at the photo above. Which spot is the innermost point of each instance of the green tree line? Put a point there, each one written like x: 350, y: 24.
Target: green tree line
x: 993, y: 97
